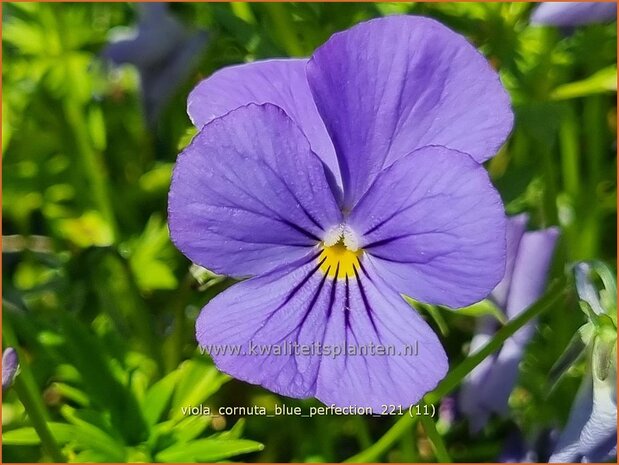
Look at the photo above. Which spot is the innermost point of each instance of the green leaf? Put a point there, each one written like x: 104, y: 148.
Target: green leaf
x: 199, y: 379
x: 570, y: 355
x: 85, y: 436
x: 485, y: 307
x: 150, y: 258
x: 208, y: 450
x: 602, y: 81
x: 432, y: 311
x: 28, y: 436
x: 604, y: 353
x: 158, y: 397
x: 191, y: 427
x: 90, y: 436
x: 235, y: 432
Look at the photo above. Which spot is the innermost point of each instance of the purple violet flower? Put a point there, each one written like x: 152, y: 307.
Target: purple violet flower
x: 164, y: 52
x: 591, y: 431
x: 337, y: 183
x: 568, y: 14
x: 10, y: 365
x: 487, y: 388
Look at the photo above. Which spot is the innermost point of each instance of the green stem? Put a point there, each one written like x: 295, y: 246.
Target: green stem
x: 550, y: 190
x: 408, y: 451
x: 243, y: 11
x: 380, y: 447
x: 570, y: 151
x: 595, y: 139
x: 555, y: 291
x: 73, y: 108
x: 435, y: 438
x: 372, y: 454
x: 177, y: 338
x: 594, y: 121
x: 93, y: 169
x: 362, y: 432
x: 282, y: 22
x: 28, y: 393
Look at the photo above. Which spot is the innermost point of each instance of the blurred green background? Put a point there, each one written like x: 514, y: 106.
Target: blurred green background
x: 102, y: 306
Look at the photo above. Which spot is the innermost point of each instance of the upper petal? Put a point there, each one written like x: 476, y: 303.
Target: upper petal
x: 300, y: 332
x: 248, y: 194
x: 280, y: 82
x: 434, y: 227
x: 390, y: 85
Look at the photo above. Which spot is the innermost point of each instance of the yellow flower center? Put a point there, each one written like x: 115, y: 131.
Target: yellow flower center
x: 338, y: 261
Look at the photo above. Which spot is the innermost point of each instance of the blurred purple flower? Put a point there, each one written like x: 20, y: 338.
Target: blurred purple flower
x: 591, y: 431
x: 164, y: 52
x: 10, y: 365
x: 486, y: 390
x: 567, y: 14
x: 517, y: 449
x: 447, y: 411
x: 338, y: 183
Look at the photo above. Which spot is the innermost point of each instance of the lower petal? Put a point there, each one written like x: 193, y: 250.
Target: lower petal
x: 408, y: 360
x: 301, y: 332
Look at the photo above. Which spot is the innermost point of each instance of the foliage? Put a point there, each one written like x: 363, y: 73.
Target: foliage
x: 102, y: 307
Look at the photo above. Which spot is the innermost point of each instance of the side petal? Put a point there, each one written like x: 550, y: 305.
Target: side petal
x: 293, y: 330
x: 248, y: 194
x: 434, y: 226
x: 391, y: 85
x: 280, y: 82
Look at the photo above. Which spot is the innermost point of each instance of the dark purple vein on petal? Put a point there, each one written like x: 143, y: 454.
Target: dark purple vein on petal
x: 294, y: 196
x: 280, y: 218
x: 293, y: 292
x: 366, y: 303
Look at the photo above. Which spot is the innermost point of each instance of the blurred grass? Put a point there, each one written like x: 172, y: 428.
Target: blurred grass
x: 102, y: 305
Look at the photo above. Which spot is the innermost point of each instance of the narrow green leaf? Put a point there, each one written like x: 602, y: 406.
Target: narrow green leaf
x: 208, y: 450
x: 604, y: 80
x: 199, y: 379
x: 158, y: 397
x: 433, y: 311
x: 483, y: 308
x: 191, y: 427
x: 435, y: 439
x: 28, y: 436
x: 570, y: 355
